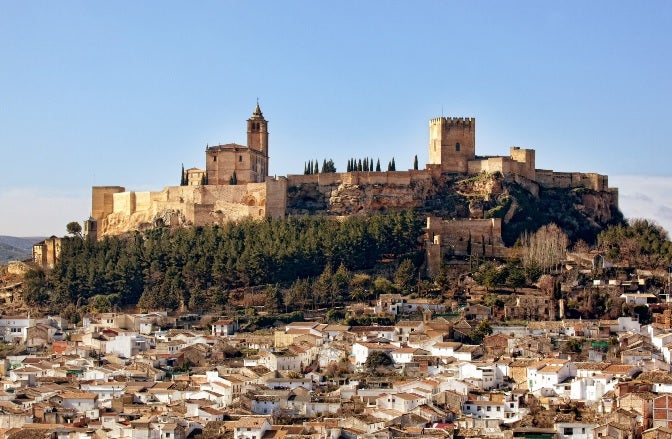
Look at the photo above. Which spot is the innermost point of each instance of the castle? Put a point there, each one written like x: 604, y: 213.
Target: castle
x: 235, y: 184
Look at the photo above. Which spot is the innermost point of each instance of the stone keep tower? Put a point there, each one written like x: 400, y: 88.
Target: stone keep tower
x: 248, y: 163
x: 452, y: 143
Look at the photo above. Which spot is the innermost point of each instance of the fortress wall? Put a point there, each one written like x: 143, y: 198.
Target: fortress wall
x: 614, y: 195
x: 276, y: 197
x: 124, y: 202
x: 550, y: 179
x: 398, y: 178
x: 526, y: 161
x: 299, y: 179
x: 143, y: 200
x: 462, y: 229
x: 102, y: 202
x: 463, y: 238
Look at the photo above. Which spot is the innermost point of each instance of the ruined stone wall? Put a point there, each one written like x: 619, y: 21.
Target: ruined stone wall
x: 276, y: 197
x: 398, y: 178
x: 194, y: 205
x: 550, y: 179
x: 464, y: 237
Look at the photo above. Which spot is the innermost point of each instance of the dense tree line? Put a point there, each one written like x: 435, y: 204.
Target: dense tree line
x: 195, y: 267
x: 311, y: 167
x: 640, y: 242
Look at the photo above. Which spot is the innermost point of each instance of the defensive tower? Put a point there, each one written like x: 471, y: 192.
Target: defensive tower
x: 452, y: 143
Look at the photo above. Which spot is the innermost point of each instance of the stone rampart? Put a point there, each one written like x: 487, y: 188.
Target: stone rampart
x: 569, y: 180
x: 102, y: 202
x: 196, y: 205
x: 398, y: 178
x: 462, y: 237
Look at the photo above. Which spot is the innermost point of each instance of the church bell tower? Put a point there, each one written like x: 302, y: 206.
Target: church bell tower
x: 257, y: 132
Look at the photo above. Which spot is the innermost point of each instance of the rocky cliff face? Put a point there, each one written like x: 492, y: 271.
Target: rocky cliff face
x: 522, y: 204
x: 350, y: 199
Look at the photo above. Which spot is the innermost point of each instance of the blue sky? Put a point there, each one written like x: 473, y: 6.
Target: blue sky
x: 122, y: 93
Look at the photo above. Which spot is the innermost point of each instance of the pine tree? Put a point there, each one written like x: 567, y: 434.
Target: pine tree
x: 378, y: 165
x: 415, y: 163
x: 273, y: 302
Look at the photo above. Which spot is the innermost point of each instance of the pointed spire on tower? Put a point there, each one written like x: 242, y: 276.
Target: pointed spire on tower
x: 257, y: 110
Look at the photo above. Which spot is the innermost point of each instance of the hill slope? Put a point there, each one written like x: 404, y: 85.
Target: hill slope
x: 522, y: 204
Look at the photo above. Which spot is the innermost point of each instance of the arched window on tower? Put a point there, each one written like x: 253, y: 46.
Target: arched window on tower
x: 457, y: 147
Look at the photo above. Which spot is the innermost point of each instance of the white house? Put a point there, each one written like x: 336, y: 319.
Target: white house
x: 281, y: 360
x: 15, y: 328
x: 402, y: 402
x: 575, y: 430
x: 485, y: 376
x: 80, y: 401
x: 591, y: 389
x: 224, y: 327
x: 126, y: 345
x: 361, y: 350
x: 251, y: 427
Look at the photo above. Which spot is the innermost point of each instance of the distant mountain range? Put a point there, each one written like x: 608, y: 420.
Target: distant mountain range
x: 13, y: 248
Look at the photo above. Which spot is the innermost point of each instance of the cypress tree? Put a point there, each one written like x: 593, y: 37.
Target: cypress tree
x: 324, y: 166
x: 317, y: 167
x: 394, y: 166
x: 378, y: 165
x: 359, y: 165
x: 183, y: 180
x: 415, y: 163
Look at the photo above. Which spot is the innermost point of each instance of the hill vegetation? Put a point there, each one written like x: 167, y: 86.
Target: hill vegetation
x: 581, y: 213
x: 197, y: 267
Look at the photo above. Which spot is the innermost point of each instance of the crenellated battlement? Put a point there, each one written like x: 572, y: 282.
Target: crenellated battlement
x: 455, y: 121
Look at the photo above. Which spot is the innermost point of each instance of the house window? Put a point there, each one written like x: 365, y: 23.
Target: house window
x: 568, y: 431
x: 214, y: 158
x: 240, y: 158
x: 457, y: 147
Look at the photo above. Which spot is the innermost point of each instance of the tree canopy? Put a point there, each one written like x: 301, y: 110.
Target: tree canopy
x: 194, y: 267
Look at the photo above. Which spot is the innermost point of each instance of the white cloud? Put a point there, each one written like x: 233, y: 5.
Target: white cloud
x: 30, y: 212
x: 645, y: 197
